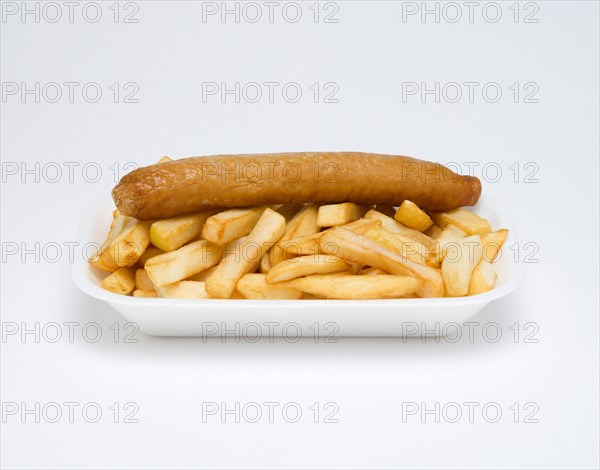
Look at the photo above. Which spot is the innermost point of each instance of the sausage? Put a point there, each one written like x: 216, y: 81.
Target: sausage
x: 224, y: 181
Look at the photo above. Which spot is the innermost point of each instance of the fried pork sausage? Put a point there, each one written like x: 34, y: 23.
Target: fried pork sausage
x: 225, y: 181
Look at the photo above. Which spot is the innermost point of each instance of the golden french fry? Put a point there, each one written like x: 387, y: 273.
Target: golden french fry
x: 305, y: 265
x: 129, y: 245
x: 289, y: 210
x: 306, y: 245
x: 265, y: 263
x: 353, y: 268
x: 492, y: 243
x: 165, y: 159
x: 306, y: 296
x: 116, y: 213
x: 461, y: 259
x: 450, y: 235
x: 372, y: 272
x: 150, y: 252
x: 397, y: 243
x: 103, y: 259
x: 412, y: 216
x: 145, y: 293
x: 331, y: 215
x: 183, y: 290
x: 434, y: 231
x: 122, y: 281
x: 482, y: 279
x: 170, y: 234
x: 463, y: 219
x: 303, y: 223
x: 394, y: 226
x: 184, y: 262
x: 255, y: 286
x: 342, y: 286
x: 360, y: 226
x: 267, y: 231
x: 143, y: 281
x: 202, y: 276
x: 359, y: 249
x: 231, y: 224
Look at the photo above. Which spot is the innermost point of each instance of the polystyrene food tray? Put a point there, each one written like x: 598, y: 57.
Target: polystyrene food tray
x: 255, y: 319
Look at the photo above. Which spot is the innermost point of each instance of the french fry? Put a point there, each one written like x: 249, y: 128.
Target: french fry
x: 122, y: 281
x: 142, y: 280
x: 360, y: 226
x: 184, y: 262
x: 170, y: 234
x: 394, y: 226
x: 332, y: 215
x: 145, y: 293
x: 397, y: 243
x: 306, y: 245
x: 353, y: 268
x: 434, y: 231
x: 289, y: 210
x: 129, y: 245
x: 412, y: 216
x: 304, y: 266
x: 341, y: 286
x: 103, y: 259
x: 372, y: 272
x: 183, y: 290
x: 461, y: 259
x: 472, y: 224
x: 231, y: 224
x: 492, y: 243
x: 150, y: 252
x: 306, y: 296
x: 482, y: 279
x: 359, y: 249
x: 255, y: 286
x: 202, y: 276
x: 450, y: 235
x: 116, y: 213
x: 303, y: 223
x: 267, y: 231
x: 265, y: 263
x: 165, y: 159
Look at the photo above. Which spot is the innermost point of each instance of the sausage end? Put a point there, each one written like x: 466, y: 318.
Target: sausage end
x: 475, y: 189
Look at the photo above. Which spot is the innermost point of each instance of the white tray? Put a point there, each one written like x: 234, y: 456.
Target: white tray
x: 320, y: 319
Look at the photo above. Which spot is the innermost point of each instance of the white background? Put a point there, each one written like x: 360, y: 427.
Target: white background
x: 368, y: 53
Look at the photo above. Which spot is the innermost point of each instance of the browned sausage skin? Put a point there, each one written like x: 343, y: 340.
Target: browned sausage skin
x: 223, y: 181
